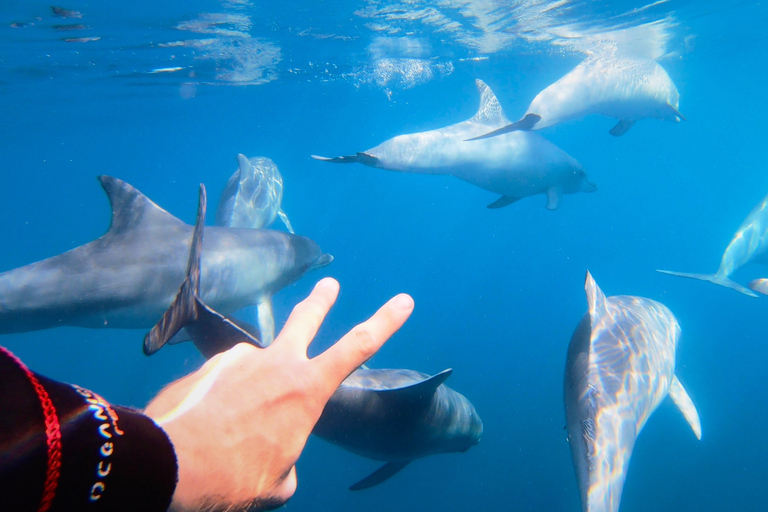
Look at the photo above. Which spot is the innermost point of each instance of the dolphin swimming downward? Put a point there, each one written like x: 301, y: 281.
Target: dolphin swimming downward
x: 518, y: 165
x: 253, y: 195
x: 750, y: 243
x: 625, y: 89
x: 620, y: 366
x: 129, y: 276
x: 391, y: 415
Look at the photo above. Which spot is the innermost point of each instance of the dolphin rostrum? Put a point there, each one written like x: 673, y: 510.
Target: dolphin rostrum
x: 252, y: 196
x: 518, y: 165
x: 625, y: 89
x: 129, y: 276
x: 391, y: 415
x: 750, y: 243
x: 620, y: 366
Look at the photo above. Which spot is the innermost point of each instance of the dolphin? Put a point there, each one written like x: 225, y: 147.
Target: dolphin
x: 397, y: 416
x: 626, y: 89
x: 620, y: 366
x: 385, y: 414
x: 129, y: 276
x: 252, y: 196
x: 750, y: 243
x: 518, y: 165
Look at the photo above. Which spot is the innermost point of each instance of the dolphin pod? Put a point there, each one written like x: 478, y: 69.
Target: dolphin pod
x: 517, y: 165
x: 620, y: 366
x: 129, y: 276
x: 252, y: 196
x: 749, y: 244
x: 626, y: 89
x: 391, y: 415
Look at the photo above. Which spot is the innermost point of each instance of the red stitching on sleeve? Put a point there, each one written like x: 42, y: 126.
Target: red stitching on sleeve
x: 52, y: 435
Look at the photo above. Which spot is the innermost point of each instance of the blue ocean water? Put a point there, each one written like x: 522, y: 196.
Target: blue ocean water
x: 498, y: 292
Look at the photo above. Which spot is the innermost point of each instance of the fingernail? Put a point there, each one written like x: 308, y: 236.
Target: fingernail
x: 404, y: 301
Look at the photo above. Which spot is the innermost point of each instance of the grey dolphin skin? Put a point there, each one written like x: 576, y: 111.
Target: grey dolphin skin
x: 749, y: 244
x: 391, y: 415
x: 253, y: 195
x: 516, y: 165
x: 398, y: 416
x: 129, y: 276
x: 620, y: 366
x: 622, y: 88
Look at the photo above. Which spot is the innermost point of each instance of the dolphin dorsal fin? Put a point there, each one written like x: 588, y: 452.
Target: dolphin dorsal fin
x: 421, y: 390
x: 595, y: 298
x: 132, y: 210
x: 685, y: 404
x: 490, y: 112
x: 243, y: 167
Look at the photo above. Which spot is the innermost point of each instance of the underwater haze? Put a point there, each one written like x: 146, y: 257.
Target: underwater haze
x: 165, y: 95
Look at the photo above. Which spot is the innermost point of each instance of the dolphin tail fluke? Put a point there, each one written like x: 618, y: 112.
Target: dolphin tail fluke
x: 184, y: 307
x: 385, y: 472
x: 685, y: 404
x: 713, y: 278
x: 525, y: 124
x: 210, y: 331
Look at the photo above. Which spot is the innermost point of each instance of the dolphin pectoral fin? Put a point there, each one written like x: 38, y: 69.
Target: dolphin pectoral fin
x: 595, y: 298
x: 502, y: 202
x: 266, y: 321
x: 385, y: 472
x: 713, y: 278
x: 554, y: 194
x: 677, y: 113
x: 621, y: 128
x: 284, y: 218
x: 525, y: 124
x: 759, y: 285
x: 418, y: 391
x: 685, y: 404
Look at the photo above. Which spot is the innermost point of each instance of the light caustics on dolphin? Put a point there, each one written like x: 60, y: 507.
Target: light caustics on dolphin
x: 128, y: 277
x: 391, y: 415
x: 253, y: 195
x: 620, y: 366
x: 749, y: 244
x: 623, y: 88
x: 515, y: 165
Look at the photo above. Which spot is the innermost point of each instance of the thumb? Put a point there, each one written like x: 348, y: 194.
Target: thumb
x: 364, y: 340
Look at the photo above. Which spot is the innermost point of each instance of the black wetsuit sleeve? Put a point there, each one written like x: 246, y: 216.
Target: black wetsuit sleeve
x: 111, y: 458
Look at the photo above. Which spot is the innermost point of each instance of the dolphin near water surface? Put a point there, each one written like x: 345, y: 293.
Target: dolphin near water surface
x: 622, y: 88
x: 620, y: 366
x: 517, y: 165
x: 749, y: 244
x: 391, y: 415
x: 129, y: 276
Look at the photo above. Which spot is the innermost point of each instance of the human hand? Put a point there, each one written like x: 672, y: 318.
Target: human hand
x: 239, y: 423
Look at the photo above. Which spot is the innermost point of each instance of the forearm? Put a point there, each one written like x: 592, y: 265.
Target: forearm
x: 65, y: 448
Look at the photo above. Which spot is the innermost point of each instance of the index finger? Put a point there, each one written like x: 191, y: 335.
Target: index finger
x: 364, y: 340
x: 305, y: 319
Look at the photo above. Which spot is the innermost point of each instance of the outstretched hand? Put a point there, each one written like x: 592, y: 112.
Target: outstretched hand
x: 239, y: 423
